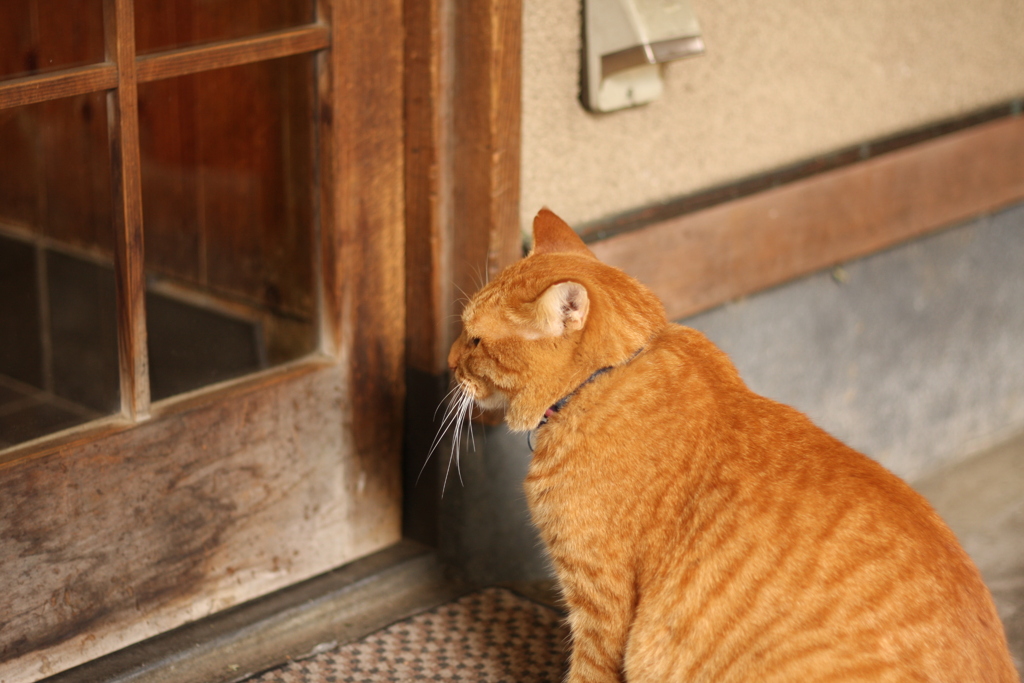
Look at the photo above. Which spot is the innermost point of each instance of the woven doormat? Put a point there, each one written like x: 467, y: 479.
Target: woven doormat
x: 489, y: 636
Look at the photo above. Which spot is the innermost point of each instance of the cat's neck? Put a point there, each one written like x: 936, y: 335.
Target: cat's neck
x: 557, y: 406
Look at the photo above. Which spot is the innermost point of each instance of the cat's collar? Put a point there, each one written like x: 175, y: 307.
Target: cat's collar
x: 560, y: 403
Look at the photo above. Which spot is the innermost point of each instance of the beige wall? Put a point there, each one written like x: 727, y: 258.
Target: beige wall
x: 781, y: 81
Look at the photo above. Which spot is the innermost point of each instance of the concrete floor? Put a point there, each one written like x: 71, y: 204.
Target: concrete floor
x: 982, y: 501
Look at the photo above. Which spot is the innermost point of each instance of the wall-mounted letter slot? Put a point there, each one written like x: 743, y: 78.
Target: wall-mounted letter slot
x: 624, y: 43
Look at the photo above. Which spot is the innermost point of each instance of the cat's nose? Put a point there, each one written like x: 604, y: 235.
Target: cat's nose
x: 453, y: 357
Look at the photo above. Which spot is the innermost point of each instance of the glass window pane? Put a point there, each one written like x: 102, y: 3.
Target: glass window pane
x: 58, y: 330
x: 43, y: 35
x: 227, y: 182
x: 167, y: 24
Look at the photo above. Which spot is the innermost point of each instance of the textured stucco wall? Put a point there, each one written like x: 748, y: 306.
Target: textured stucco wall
x: 780, y: 82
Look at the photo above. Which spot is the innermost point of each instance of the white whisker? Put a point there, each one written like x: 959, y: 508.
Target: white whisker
x: 452, y: 391
x: 457, y: 417
x: 472, y: 439
x: 450, y: 415
x: 464, y: 401
x: 481, y: 277
x: 467, y: 411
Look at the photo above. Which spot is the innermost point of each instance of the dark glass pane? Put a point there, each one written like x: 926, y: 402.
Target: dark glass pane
x: 227, y: 178
x: 43, y: 35
x: 55, y: 171
x: 58, y: 332
x: 167, y: 24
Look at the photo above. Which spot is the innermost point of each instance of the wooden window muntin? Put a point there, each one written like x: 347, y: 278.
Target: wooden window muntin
x: 119, y: 76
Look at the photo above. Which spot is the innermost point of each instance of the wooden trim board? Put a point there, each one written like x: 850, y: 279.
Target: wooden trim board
x: 635, y: 219
x: 427, y: 181
x: 703, y: 259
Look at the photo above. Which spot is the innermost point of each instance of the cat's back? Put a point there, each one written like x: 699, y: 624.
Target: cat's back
x: 766, y: 549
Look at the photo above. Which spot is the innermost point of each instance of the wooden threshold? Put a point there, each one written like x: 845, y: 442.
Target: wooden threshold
x: 702, y: 259
x: 337, y: 607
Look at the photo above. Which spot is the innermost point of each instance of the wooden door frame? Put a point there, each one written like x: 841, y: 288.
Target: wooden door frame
x: 463, y: 65
x: 463, y: 108
x: 135, y: 524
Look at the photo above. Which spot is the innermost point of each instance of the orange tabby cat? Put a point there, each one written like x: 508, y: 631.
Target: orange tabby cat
x: 701, y: 532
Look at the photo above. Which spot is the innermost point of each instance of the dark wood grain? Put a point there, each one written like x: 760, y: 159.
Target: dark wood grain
x: 183, y: 61
x: 363, y: 227
x: 711, y: 256
x: 327, y: 249
x: 428, y: 203
x: 163, y: 25
x: 427, y: 183
x: 486, y: 113
x: 342, y: 605
x: 17, y: 92
x: 505, y: 114
x: 463, y: 77
x: 126, y: 181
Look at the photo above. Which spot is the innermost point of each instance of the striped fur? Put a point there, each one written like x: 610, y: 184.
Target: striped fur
x: 701, y: 532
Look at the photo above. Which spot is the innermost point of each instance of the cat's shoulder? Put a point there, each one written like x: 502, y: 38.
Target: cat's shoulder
x: 689, y: 350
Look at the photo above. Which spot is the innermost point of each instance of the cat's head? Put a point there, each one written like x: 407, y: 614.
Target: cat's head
x: 546, y: 323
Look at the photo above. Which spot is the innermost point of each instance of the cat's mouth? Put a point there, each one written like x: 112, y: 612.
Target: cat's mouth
x: 484, y: 396
x: 489, y: 399
x: 496, y: 401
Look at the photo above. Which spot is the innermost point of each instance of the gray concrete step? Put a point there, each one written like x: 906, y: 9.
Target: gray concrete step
x: 982, y: 500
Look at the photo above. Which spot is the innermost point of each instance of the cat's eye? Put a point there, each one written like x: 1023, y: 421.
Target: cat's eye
x: 476, y: 341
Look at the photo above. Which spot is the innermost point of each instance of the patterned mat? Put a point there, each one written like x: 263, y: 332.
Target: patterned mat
x: 489, y: 636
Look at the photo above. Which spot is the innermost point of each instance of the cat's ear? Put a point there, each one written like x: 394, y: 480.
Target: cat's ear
x: 552, y: 235
x: 562, y: 308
